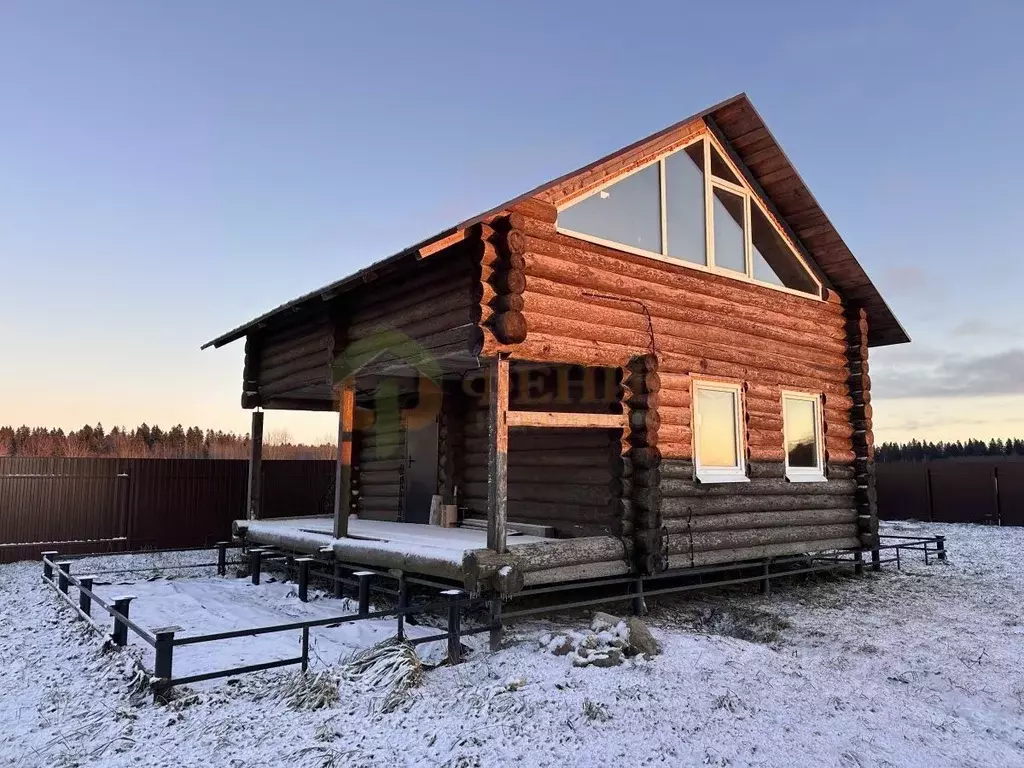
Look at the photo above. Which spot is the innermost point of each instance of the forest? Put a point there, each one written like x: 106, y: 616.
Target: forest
x: 194, y: 443
x: 151, y: 442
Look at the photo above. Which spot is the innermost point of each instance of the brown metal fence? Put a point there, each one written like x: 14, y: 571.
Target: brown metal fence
x: 989, y: 492
x: 111, y: 505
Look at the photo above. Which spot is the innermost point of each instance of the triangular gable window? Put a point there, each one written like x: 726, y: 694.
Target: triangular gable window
x: 628, y: 212
x: 674, y: 210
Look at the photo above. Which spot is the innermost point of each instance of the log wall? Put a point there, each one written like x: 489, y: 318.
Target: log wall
x: 380, y: 467
x: 585, y: 304
x: 558, y: 477
x: 425, y: 314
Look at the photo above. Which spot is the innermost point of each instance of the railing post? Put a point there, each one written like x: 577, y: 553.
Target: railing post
x: 403, y: 603
x: 48, y: 557
x: 898, y: 568
x: 84, y: 601
x: 940, y: 547
x: 303, y: 565
x: 454, y: 625
x: 766, y: 583
x: 305, y: 649
x: 255, y: 564
x: 339, y: 588
x: 876, y: 559
x: 222, y: 558
x: 64, y: 568
x: 163, y: 668
x: 120, y: 631
x: 495, y: 636
x: 636, y: 602
x: 858, y: 563
x: 364, y: 591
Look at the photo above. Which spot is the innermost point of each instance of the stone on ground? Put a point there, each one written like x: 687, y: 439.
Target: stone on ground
x: 641, y: 641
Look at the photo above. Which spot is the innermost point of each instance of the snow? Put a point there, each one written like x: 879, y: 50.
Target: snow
x: 447, y: 545
x: 913, y: 668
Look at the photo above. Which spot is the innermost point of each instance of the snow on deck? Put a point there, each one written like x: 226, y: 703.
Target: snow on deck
x: 445, y: 545
x: 920, y: 667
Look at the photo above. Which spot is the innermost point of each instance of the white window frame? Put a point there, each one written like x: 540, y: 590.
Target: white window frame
x: 710, y: 181
x: 737, y: 474
x: 814, y: 474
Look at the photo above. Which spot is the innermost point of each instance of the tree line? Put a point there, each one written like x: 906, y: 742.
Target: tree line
x: 916, y: 450
x: 146, y: 441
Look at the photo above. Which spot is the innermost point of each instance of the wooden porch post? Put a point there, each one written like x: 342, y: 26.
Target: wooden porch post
x: 497, y: 459
x: 343, y: 474
x: 253, y: 502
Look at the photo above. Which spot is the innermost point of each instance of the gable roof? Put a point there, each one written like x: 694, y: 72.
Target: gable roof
x: 766, y: 168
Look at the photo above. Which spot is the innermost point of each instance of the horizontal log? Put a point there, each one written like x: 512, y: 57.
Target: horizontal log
x: 583, y: 439
x: 287, y: 353
x: 564, y: 552
x: 715, y: 557
x: 677, y: 470
x: 751, y: 520
x: 581, y: 572
x: 766, y: 453
x: 757, y: 487
x: 586, y: 495
x: 533, y: 208
x: 672, y: 397
x: 674, y: 416
x: 565, y: 420
x: 315, y: 365
x: 542, y: 474
x: 587, y: 263
x: 559, y: 512
x: 320, y: 375
x: 762, y: 469
x: 280, y: 339
x: 758, y: 537
x: 591, y: 458
x: 687, y: 506
x: 596, y: 329
x: 629, y: 325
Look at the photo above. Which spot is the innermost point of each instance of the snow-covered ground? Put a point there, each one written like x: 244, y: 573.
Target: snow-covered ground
x: 919, y: 667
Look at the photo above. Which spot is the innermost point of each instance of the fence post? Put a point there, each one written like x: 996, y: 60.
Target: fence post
x: 766, y: 584
x: 364, y: 591
x: 495, y: 637
x: 339, y: 588
x: 305, y: 649
x: 84, y: 601
x: 303, y: 565
x: 940, y: 547
x: 48, y: 557
x: 858, y: 563
x: 636, y: 602
x: 120, y: 631
x: 876, y: 559
x: 163, y: 668
x: 255, y: 564
x: 222, y: 558
x: 454, y: 625
x: 64, y: 568
x: 403, y: 603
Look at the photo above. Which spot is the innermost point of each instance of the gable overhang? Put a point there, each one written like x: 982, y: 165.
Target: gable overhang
x: 765, y: 166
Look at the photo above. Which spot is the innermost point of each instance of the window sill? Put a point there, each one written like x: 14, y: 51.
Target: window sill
x: 709, y: 478
x: 809, y: 477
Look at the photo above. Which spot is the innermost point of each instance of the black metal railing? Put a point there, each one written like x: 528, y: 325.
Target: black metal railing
x: 454, y: 602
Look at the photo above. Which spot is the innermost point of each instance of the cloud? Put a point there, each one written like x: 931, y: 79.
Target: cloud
x: 972, y: 328
x: 1001, y: 373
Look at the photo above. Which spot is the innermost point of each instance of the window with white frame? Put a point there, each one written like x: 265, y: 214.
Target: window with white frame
x: 717, y: 433
x: 801, y: 417
x: 675, y: 210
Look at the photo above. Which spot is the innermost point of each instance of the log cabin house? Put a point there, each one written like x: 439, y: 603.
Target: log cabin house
x: 655, y: 362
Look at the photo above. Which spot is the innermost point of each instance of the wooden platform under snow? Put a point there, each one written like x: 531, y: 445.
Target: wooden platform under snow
x: 458, y: 554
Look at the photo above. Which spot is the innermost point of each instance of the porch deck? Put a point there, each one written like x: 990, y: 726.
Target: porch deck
x: 457, y: 554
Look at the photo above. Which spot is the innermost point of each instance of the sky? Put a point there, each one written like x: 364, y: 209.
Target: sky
x: 171, y: 170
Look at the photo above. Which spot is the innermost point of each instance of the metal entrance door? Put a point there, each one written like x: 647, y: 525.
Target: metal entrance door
x: 420, y: 473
